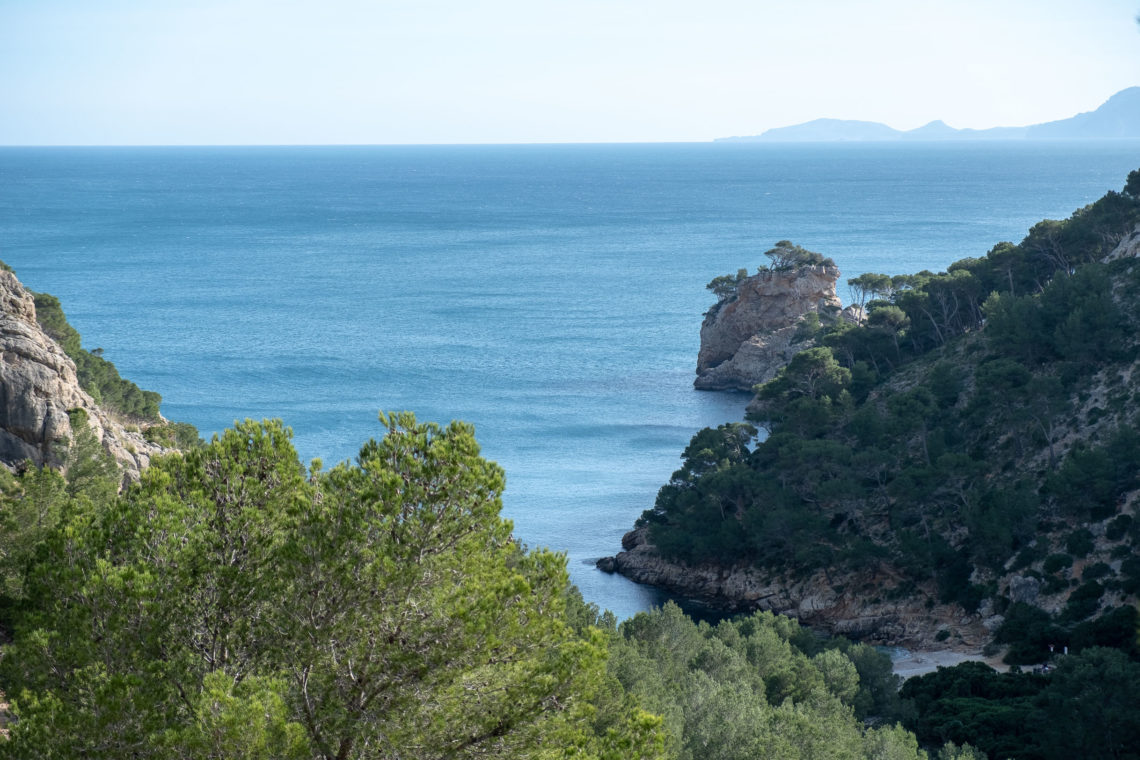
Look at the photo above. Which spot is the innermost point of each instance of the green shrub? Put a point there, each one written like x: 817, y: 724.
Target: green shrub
x: 1027, y: 556
x: 1083, y: 602
x: 1094, y: 571
x: 1130, y: 569
x: 1055, y: 562
x: 1117, y: 527
x: 178, y: 435
x: 1079, y: 542
x: 1116, y: 628
x: 1028, y: 631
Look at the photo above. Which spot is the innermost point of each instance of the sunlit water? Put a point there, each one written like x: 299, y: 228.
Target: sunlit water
x: 551, y: 295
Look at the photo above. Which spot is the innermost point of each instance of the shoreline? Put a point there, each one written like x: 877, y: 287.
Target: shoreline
x: 908, y: 663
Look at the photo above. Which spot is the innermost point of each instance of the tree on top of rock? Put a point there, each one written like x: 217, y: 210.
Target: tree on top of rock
x: 725, y: 286
x: 787, y: 256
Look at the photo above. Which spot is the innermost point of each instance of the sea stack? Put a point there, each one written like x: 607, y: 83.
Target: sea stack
x: 750, y: 334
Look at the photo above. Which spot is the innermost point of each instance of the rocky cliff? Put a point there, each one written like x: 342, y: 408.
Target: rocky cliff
x: 980, y: 478
x: 39, y: 386
x: 1129, y: 247
x: 866, y: 606
x: 746, y: 337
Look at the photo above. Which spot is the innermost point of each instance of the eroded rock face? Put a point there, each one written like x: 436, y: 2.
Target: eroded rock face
x: 855, y: 605
x: 1129, y: 247
x: 746, y: 339
x: 757, y: 360
x: 38, y: 386
x: 1024, y: 589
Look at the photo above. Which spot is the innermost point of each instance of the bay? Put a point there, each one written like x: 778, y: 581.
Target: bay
x: 549, y: 294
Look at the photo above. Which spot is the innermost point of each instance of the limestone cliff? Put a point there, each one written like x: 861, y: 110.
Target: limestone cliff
x: 865, y: 606
x: 39, y: 386
x: 1129, y: 246
x: 747, y: 336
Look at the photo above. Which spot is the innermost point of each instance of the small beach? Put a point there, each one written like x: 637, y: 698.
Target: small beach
x: 909, y: 663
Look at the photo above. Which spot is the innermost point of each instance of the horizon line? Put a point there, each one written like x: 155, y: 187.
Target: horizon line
x: 750, y: 140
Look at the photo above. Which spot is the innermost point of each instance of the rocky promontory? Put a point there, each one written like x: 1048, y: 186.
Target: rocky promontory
x: 752, y: 330
x: 39, y: 387
x: 957, y: 469
x: 856, y: 605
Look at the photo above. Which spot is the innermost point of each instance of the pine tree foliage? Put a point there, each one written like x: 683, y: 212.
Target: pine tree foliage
x: 948, y: 437
x: 234, y: 605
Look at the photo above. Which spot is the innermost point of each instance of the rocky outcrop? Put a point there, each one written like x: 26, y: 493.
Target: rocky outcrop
x: 747, y: 337
x: 39, y: 386
x: 1129, y: 247
x: 757, y: 360
x: 856, y: 605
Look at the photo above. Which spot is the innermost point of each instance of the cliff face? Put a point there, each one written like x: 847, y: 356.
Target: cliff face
x: 856, y: 605
x: 38, y: 386
x: 1129, y: 247
x: 745, y: 339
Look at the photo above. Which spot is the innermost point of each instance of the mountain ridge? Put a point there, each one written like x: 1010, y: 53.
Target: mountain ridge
x: 1116, y: 118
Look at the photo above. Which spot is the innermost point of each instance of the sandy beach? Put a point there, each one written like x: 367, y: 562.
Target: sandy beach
x: 916, y: 663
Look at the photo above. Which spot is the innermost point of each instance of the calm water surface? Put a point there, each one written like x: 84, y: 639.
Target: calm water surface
x: 551, y: 295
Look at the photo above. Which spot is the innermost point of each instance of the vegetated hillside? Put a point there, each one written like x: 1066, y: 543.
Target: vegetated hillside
x: 97, y: 376
x: 114, y: 393
x: 973, y: 441
x: 234, y: 604
x: 761, y: 686
x: 1085, y: 705
x: 50, y: 398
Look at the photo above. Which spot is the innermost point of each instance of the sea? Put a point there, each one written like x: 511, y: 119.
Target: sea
x: 551, y: 295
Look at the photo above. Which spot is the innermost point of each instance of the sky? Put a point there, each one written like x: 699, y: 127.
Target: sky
x: 197, y: 72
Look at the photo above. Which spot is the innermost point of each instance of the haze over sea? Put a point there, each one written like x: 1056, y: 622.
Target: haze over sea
x: 551, y: 295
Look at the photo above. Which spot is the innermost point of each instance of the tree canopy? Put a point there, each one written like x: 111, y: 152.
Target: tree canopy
x: 962, y: 433
x: 234, y: 605
x: 786, y: 255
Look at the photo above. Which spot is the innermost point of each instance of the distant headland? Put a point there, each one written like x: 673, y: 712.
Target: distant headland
x: 1117, y: 118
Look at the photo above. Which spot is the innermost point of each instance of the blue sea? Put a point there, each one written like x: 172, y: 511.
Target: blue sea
x: 550, y: 295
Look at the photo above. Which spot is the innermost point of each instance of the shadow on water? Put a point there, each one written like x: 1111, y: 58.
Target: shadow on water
x: 651, y: 598
x: 702, y: 612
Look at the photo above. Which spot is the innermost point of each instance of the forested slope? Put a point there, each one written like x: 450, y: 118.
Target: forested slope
x: 972, y: 442
x: 235, y: 605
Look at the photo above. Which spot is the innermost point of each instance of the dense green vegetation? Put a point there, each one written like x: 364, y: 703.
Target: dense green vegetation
x: 178, y: 435
x: 97, y: 376
x: 234, y: 605
x: 1084, y: 707
x: 33, y: 503
x: 974, y: 425
x: 759, y: 687
x: 1030, y: 631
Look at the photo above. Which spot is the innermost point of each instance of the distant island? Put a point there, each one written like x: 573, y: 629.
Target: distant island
x: 1117, y: 118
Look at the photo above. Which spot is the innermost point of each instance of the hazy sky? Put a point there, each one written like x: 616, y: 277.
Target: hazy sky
x: 432, y: 71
